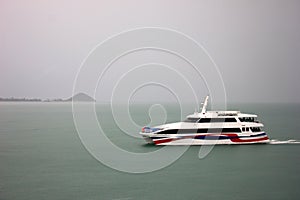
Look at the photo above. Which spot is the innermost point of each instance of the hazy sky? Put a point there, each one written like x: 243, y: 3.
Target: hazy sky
x: 256, y: 44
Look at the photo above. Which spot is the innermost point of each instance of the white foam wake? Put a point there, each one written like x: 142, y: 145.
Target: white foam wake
x: 284, y: 141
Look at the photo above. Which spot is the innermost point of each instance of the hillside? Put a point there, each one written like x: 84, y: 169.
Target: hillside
x: 81, y: 97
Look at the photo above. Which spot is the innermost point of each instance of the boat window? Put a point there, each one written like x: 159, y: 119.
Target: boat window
x: 243, y: 129
x: 231, y: 130
x: 170, y: 131
x: 246, y: 119
x: 255, y: 129
x: 247, y: 129
x: 219, y: 130
x: 202, y: 130
x: 204, y: 120
x: 227, y: 114
x: 190, y: 119
x: 230, y: 120
x: 216, y: 120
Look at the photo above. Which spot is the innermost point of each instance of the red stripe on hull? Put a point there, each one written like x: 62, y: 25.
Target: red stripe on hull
x: 163, y: 141
x: 236, y: 139
x: 232, y: 137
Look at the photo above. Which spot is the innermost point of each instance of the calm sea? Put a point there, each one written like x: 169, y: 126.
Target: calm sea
x: 41, y: 157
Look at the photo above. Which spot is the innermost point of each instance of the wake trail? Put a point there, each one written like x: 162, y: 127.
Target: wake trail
x: 274, y: 141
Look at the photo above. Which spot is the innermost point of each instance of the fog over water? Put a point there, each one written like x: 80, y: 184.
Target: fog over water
x: 255, y: 44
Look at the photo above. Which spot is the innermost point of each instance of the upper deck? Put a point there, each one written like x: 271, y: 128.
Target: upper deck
x: 221, y: 114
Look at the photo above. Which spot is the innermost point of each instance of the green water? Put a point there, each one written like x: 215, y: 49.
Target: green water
x: 41, y: 157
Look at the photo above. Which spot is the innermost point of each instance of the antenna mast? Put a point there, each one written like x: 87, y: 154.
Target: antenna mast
x: 204, y: 105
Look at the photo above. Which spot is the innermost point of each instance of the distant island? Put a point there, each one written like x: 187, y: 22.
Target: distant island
x: 20, y: 99
x: 80, y: 97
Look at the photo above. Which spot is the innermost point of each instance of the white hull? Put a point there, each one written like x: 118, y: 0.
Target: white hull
x: 206, y: 140
x: 210, y: 143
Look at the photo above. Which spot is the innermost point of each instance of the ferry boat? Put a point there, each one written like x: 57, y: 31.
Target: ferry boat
x: 208, y: 128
